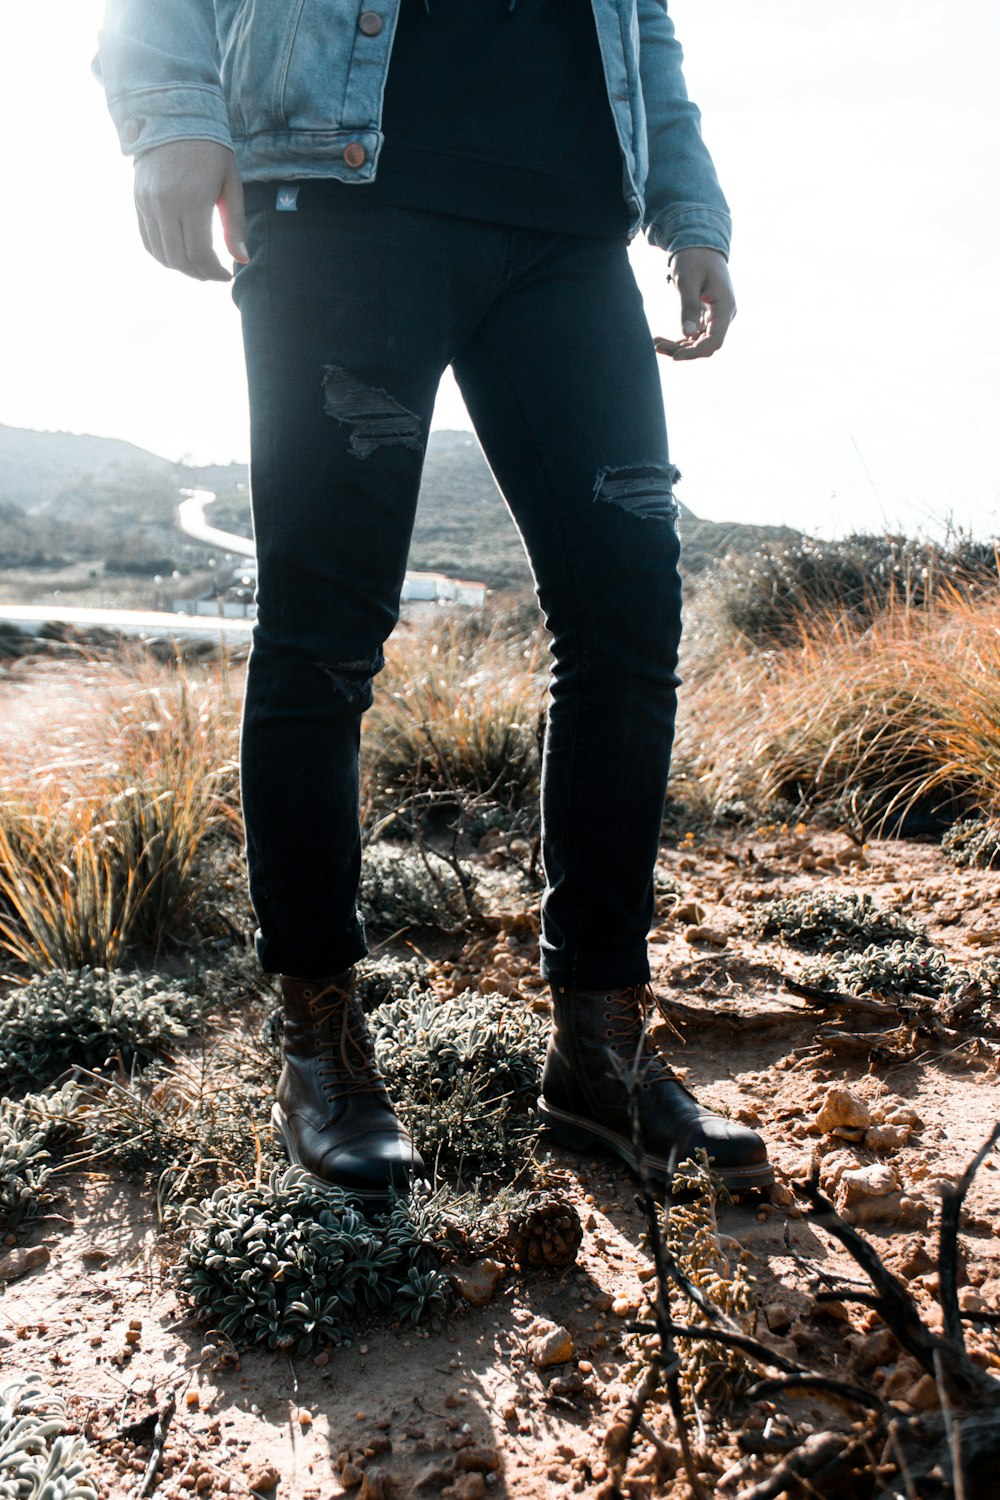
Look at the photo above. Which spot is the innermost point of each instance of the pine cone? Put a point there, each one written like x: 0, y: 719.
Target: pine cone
x: 546, y: 1232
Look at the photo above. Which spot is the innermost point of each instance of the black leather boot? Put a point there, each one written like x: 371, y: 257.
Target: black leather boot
x: 585, y: 1102
x: 332, y: 1110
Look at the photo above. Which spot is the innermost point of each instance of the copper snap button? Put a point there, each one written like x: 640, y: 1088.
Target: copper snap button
x: 355, y: 154
x: 370, y: 23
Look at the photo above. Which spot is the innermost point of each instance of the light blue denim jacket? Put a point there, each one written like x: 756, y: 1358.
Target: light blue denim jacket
x: 295, y: 88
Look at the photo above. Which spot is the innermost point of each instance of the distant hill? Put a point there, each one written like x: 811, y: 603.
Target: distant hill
x: 65, y: 497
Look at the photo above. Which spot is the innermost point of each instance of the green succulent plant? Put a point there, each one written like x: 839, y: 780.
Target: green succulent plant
x: 29, y: 1130
x: 66, y: 1018
x: 464, y: 1075
x: 379, y: 980
x: 973, y: 843
x: 829, y: 920
x: 293, y: 1265
x: 901, y: 968
x: 38, y: 1458
x: 402, y: 888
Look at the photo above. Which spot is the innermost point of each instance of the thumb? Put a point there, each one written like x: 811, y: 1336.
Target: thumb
x: 234, y: 224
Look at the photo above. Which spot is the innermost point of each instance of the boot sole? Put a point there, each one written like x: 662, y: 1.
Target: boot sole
x: 367, y: 1198
x: 578, y: 1134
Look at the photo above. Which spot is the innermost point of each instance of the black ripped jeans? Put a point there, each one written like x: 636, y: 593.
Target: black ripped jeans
x: 351, y: 312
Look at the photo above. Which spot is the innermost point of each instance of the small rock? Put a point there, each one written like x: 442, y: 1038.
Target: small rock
x: 351, y: 1476
x: 923, y: 1394
x: 478, y: 1460
x: 554, y: 1346
x: 875, y: 1181
x: 477, y: 1283
x: 19, y: 1262
x: 690, y: 912
x: 779, y: 1319
x: 374, y: 1486
x: 434, y: 1477
x: 94, y: 1255
x: 466, y: 1487
x: 971, y: 1301
x: 708, y: 935
x: 265, y: 1478
x: 843, y: 1107
x: 886, y: 1137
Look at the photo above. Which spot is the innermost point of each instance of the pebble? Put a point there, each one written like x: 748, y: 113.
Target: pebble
x: 265, y: 1478
x: 477, y: 1283
x: 553, y: 1346
x: 19, y: 1262
x: 466, y: 1487
x: 708, y: 935
x: 843, y: 1107
x: 477, y: 1460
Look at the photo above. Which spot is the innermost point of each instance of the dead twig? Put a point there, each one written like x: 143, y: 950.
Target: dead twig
x: 163, y: 1419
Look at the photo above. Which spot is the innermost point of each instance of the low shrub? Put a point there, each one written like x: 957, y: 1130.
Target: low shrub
x: 464, y: 1074
x: 39, y: 1460
x: 830, y: 920
x: 292, y: 1265
x: 973, y: 843
x: 30, y: 1129
x: 59, y: 1020
x: 901, y: 968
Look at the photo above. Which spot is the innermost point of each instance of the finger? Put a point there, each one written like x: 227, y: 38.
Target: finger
x: 154, y: 241
x: 144, y: 233
x: 201, y: 260
x: 234, y: 224
x: 692, y: 312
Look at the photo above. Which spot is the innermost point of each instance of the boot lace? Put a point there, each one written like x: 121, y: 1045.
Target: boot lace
x: 627, y: 1014
x: 353, y: 1064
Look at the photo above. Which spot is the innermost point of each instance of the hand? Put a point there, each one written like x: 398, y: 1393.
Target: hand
x: 177, y: 187
x: 708, y: 304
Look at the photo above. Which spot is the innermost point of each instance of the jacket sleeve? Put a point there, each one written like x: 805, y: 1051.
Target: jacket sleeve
x: 158, y: 63
x: 684, y: 202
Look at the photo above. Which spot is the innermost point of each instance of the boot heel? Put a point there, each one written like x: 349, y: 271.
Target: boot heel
x: 573, y: 1137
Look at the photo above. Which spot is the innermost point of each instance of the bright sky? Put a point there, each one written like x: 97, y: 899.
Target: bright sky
x: 859, y: 144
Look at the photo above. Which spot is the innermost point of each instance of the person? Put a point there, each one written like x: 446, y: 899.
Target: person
x: 406, y: 185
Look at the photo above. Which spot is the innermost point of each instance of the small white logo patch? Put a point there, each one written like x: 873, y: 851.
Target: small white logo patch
x: 287, y: 200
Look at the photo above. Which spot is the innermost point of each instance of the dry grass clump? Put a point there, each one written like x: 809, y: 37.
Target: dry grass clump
x: 898, y: 722
x: 457, y: 714
x: 773, y: 596
x: 99, y: 850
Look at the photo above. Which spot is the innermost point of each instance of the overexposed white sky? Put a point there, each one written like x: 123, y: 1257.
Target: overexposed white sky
x: 859, y: 145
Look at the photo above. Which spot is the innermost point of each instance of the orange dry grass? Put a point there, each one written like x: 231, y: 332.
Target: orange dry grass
x: 99, y: 849
x: 906, y: 713
x: 456, y: 712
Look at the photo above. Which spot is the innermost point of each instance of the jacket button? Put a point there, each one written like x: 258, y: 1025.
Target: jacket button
x: 355, y: 154
x: 131, y: 130
x: 370, y: 23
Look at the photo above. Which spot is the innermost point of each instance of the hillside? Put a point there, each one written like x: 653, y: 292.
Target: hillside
x: 67, y: 499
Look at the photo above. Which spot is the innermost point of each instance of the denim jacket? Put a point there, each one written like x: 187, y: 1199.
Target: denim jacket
x: 295, y: 88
